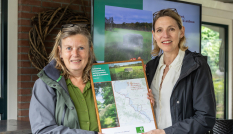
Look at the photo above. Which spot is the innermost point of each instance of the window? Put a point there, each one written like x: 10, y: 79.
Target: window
x: 214, y: 44
x: 3, y: 59
x: 0, y: 47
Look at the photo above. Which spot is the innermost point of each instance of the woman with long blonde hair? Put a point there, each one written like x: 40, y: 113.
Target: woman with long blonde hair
x: 62, y: 99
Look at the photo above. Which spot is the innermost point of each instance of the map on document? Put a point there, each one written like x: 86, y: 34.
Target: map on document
x: 132, y: 103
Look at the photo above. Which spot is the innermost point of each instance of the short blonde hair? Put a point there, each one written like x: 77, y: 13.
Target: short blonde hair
x: 173, y: 14
x: 54, y: 55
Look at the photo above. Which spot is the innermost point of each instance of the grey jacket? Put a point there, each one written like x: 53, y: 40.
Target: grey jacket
x: 192, y: 102
x: 51, y: 108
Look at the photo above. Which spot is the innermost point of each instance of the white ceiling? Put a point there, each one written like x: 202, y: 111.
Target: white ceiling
x: 226, y: 1
x: 214, y: 4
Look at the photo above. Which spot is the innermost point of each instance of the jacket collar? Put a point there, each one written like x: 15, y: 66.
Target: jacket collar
x: 54, y: 74
x: 51, y: 71
x: 189, y: 64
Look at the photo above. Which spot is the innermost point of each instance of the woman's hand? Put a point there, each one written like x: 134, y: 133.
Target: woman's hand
x: 138, y: 59
x: 156, y: 131
x: 135, y: 58
x: 100, y: 133
x: 150, y: 96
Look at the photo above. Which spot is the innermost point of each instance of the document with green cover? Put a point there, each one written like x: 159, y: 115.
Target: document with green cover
x: 120, y: 93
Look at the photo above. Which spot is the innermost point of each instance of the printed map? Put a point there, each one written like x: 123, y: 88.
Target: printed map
x: 131, y: 101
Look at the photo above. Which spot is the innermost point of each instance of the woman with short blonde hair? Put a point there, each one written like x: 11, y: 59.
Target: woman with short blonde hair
x: 168, y: 12
x: 180, y: 80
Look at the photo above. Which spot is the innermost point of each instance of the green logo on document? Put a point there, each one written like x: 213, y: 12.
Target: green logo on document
x: 140, y: 129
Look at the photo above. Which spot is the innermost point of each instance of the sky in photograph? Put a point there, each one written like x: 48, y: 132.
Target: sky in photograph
x: 127, y: 15
x: 99, y: 96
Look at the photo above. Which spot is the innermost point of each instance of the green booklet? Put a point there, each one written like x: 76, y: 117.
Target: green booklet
x: 120, y: 93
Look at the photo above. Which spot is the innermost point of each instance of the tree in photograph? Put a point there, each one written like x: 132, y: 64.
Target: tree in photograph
x: 107, y: 109
x: 107, y: 94
x: 109, y: 23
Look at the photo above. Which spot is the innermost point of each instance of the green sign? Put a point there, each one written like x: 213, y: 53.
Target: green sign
x: 140, y: 129
x: 100, y: 73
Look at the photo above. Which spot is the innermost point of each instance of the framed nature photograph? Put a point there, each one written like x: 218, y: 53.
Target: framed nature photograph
x: 120, y: 93
x: 127, y: 31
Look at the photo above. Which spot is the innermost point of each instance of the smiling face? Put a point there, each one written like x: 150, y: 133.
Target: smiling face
x: 167, y: 34
x: 75, y: 53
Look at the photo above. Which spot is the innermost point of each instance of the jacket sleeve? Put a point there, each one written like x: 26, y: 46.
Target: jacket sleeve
x: 42, y: 111
x: 204, y: 105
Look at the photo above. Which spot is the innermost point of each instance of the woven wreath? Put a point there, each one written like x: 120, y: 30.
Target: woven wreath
x: 43, y: 23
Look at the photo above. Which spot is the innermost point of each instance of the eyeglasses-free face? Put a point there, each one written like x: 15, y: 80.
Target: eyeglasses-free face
x: 75, y: 53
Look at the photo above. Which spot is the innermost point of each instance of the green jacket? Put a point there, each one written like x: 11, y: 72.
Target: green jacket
x: 51, y: 108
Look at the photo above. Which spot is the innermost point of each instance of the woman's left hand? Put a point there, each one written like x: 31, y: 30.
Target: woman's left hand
x: 156, y: 131
x: 150, y: 96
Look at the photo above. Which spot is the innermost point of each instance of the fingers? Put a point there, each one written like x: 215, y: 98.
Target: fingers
x: 152, y: 100
x: 133, y: 59
x: 150, y: 90
x: 150, y: 96
x: 150, y: 132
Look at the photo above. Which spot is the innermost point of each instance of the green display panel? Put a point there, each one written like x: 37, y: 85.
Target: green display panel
x: 100, y: 73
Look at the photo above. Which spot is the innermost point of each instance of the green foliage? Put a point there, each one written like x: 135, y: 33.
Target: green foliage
x: 108, y: 116
x: 120, y: 74
x: 106, y: 93
x: 100, y: 105
x: 208, y: 34
x: 210, y: 45
x: 144, y: 26
x: 107, y: 109
x: 219, y: 95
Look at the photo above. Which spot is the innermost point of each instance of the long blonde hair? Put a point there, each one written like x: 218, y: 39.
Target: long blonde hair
x: 173, y: 14
x: 54, y: 55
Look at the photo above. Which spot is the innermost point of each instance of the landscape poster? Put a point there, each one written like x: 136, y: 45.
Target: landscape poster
x: 127, y: 34
x: 122, y: 29
x: 120, y: 93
